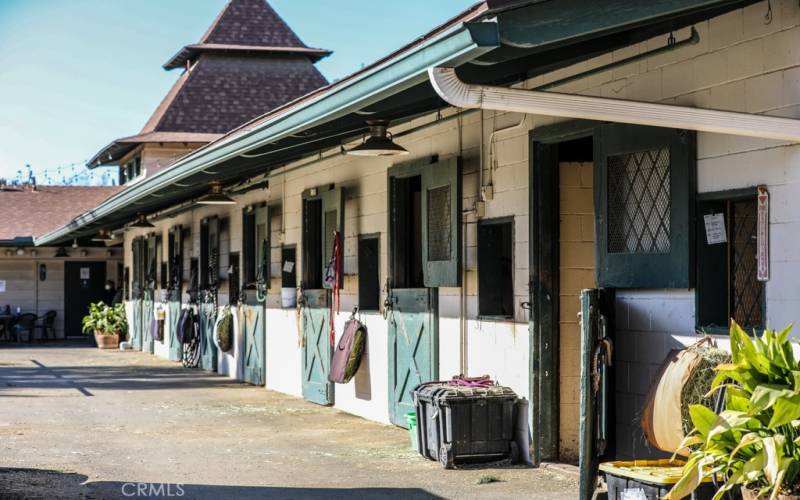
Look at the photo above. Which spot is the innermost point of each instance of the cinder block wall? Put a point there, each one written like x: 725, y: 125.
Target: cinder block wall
x: 740, y: 64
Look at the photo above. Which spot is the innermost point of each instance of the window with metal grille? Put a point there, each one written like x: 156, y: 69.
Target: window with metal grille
x: 639, y: 202
x: 727, y: 283
x: 645, y: 182
x: 439, y: 232
x: 330, y: 227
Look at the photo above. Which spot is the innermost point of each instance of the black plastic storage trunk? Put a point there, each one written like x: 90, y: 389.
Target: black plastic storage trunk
x: 462, y: 424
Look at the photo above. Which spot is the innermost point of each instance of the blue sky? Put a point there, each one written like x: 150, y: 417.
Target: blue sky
x: 76, y: 74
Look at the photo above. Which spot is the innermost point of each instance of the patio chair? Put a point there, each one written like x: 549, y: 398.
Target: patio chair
x: 25, y: 323
x: 46, y: 323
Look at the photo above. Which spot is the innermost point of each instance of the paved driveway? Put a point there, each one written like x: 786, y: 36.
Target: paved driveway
x: 76, y: 422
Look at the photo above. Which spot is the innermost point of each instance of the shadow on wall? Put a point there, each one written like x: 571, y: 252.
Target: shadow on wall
x: 20, y: 484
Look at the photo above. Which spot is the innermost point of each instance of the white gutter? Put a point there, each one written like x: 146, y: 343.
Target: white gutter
x: 462, y: 95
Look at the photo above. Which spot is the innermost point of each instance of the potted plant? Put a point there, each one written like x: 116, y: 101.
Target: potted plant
x: 106, y: 323
x: 754, y: 444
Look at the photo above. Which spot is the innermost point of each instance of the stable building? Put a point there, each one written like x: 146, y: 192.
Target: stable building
x: 61, y: 278
x: 518, y: 165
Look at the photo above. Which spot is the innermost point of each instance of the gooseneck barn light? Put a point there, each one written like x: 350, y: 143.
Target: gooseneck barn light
x: 379, y: 142
x: 216, y: 196
x: 141, y: 221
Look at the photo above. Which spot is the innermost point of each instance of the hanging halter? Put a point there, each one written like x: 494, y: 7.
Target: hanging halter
x: 333, y: 275
x: 261, y: 279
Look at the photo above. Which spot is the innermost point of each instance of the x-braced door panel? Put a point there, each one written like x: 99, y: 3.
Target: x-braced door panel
x: 316, y: 348
x: 413, y: 342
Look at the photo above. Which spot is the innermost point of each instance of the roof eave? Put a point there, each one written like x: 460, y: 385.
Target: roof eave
x: 459, y: 43
x: 190, y: 52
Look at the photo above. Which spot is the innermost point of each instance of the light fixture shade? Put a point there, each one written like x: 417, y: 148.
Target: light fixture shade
x: 379, y: 142
x: 61, y: 252
x: 74, y: 242
x: 215, y: 196
x: 103, y: 235
x: 141, y: 221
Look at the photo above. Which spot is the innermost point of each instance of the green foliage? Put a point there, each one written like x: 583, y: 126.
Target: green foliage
x: 755, y: 442
x: 105, y: 320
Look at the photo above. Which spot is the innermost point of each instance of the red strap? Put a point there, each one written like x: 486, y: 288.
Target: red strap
x: 335, y: 300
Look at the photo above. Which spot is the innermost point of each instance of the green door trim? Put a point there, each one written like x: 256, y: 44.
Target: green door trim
x: 317, y: 349
x: 543, y: 284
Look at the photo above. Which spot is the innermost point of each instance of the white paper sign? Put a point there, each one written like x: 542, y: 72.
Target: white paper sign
x: 84, y: 273
x: 2, y: 286
x: 715, y: 229
x: 288, y: 266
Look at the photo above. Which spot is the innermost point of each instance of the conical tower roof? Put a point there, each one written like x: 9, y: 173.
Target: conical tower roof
x: 247, y: 26
x: 247, y: 63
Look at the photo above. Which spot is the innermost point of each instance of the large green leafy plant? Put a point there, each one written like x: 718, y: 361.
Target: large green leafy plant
x: 755, y: 441
x: 105, y: 320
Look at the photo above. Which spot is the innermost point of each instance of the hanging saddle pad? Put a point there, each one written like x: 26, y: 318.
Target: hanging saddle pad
x: 348, y: 353
x: 186, y: 326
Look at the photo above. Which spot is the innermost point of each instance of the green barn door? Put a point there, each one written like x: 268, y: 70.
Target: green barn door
x: 252, y: 310
x: 137, y: 291
x: 596, y: 403
x: 149, y: 292
x: 316, y: 348
x: 413, y: 341
x: 425, y: 249
x: 323, y: 215
x: 175, y: 253
x: 209, y: 269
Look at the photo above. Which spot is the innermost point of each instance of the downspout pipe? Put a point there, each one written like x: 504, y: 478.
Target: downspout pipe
x: 462, y: 95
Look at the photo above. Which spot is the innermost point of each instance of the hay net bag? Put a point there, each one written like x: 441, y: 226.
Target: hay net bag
x: 223, y: 333
x: 683, y: 379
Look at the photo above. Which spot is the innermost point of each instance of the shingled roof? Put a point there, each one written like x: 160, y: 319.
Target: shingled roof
x: 246, y: 64
x: 29, y: 213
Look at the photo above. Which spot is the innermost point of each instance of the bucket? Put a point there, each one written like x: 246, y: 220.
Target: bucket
x: 288, y: 298
x: 411, y: 420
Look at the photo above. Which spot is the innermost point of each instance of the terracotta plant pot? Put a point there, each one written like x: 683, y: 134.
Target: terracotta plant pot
x: 106, y: 341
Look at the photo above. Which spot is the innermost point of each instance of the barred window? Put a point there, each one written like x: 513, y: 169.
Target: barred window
x: 439, y: 224
x: 727, y: 283
x: 639, y: 202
